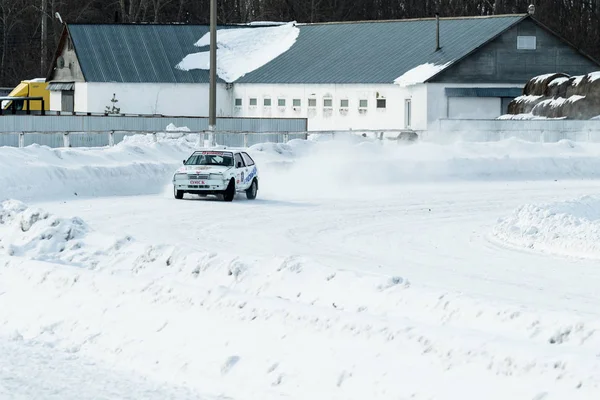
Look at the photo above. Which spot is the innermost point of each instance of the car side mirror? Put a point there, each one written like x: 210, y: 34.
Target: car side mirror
x: 183, y: 162
x: 239, y: 164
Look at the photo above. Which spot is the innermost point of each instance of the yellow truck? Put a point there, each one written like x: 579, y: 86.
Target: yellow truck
x: 29, y: 88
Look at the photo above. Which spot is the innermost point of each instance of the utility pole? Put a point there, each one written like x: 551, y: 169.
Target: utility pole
x: 44, y: 38
x: 212, y: 98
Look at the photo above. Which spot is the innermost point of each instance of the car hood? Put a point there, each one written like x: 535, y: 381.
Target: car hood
x: 202, y: 169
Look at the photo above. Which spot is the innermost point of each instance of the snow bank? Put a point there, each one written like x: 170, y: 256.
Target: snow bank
x: 569, y: 228
x: 420, y: 74
x: 138, y: 165
x: 239, y: 327
x: 322, y: 165
x: 243, y: 50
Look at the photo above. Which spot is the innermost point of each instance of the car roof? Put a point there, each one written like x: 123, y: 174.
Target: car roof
x: 224, y: 149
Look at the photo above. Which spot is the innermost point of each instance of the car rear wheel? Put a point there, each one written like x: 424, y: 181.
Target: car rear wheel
x: 251, y: 191
x: 177, y: 193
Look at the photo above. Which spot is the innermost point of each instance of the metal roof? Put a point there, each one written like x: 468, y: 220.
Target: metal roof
x: 484, y: 92
x: 345, y: 52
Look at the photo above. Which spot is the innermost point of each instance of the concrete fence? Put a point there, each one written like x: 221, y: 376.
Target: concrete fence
x: 442, y: 131
x: 542, y: 130
x: 110, y: 138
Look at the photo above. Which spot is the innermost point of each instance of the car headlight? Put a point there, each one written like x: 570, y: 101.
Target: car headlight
x: 215, y: 177
x: 180, y: 176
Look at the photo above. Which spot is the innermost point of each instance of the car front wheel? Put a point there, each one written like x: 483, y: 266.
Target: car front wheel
x: 230, y: 191
x: 177, y: 193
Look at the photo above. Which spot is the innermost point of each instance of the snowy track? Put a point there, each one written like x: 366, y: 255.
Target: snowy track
x: 437, y: 236
x: 469, y: 296
x: 328, y: 286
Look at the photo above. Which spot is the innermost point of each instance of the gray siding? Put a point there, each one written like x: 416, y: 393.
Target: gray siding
x: 501, y: 61
x: 70, y: 70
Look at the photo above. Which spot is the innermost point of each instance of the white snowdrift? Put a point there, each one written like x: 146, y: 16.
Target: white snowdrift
x: 570, y: 228
x: 319, y: 166
x: 135, y: 166
x: 243, y: 50
x: 256, y: 328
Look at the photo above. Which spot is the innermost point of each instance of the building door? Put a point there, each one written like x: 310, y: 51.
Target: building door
x: 67, y: 100
x: 474, y: 107
x: 407, y: 113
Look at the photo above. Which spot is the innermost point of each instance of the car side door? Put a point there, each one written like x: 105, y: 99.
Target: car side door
x: 252, y: 171
x: 240, y: 171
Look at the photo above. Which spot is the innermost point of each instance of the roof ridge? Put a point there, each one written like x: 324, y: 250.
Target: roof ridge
x: 415, y: 19
x: 245, y: 24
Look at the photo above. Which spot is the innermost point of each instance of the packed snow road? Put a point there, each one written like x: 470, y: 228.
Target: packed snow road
x: 437, y: 236
x: 361, y: 271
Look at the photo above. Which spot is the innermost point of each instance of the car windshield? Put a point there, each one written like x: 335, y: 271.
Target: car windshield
x: 211, y: 158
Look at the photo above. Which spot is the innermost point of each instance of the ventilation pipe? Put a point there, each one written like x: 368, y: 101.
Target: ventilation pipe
x: 437, y: 31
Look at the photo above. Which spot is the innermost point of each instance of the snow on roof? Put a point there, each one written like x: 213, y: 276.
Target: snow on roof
x: 265, y: 23
x: 420, y: 74
x: 242, y: 50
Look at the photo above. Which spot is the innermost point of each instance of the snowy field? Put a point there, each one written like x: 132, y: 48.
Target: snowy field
x: 361, y: 271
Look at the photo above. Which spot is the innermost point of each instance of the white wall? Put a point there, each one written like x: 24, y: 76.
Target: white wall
x: 439, y: 106
x: 151, y: 98
x: 335, y: 118
x: 81, y: 97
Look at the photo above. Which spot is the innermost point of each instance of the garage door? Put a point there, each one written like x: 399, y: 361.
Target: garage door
x: 474, y: 107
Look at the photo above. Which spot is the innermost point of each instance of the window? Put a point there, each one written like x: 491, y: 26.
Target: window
x: 380, y: 103
x: 363, y: 104
x: 407, y: 113
x: 312, y: 102
x: 296, y: 102
x: 344, y: 103
x: 253, y: 102
x: 238, y: 161
x: 248, y: 160
x: 238, y: 102
x: 526, y: 42
x: 281, y: 102
x: 215, y: 158
x: 327, y: 103
x: 267, y: 102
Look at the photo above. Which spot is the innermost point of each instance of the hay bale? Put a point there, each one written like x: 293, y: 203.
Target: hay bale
x: 524, y: 104
x: 557, y: 87
x: 579, y: 107
x: 549, y: 108
x: 538, y: 85
x: 574, y: 88
x: 589, y: 85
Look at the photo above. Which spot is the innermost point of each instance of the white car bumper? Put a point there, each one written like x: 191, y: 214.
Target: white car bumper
x: 184, y: 183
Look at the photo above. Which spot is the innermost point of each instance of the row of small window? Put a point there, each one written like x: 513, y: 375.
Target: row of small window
x: 327, y: 103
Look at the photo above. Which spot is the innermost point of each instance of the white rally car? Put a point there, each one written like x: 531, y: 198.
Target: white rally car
x: 221, y: 172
